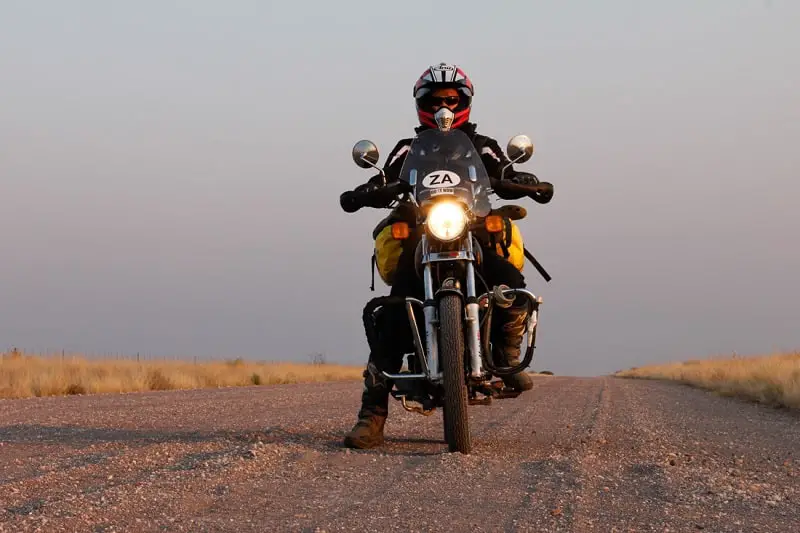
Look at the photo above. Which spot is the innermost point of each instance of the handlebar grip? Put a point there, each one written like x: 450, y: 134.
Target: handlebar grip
x: 510, y: 186
x: 352, y: 201
x: 541, y: 192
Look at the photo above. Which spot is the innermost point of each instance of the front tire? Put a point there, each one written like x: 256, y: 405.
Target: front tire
x: 451, y: 355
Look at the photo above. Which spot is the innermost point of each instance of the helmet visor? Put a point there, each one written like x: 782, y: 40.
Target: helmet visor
x: 431, y: 103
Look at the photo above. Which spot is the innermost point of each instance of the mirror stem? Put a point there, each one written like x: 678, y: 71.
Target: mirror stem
x: 503, y: 170
x: 376, y: 167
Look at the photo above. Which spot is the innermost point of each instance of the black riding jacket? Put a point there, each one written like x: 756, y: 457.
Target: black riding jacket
x: 492, y: 155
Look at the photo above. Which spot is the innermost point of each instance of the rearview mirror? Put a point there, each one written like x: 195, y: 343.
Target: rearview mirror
x: 365, y: 154
x: 520, y: 149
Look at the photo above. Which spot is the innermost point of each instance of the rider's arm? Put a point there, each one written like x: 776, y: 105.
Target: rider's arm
x: 375, y: 184
x: 494, y: 160
x: 393, y: 163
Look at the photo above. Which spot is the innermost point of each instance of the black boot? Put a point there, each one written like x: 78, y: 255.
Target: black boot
x: 512, y: 328
x: 368, y: 431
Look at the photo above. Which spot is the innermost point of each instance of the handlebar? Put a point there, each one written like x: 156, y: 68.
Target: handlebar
x: 352, y: 201
x: 535, y: 192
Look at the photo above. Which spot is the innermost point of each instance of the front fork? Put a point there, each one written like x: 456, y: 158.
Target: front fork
x: 429, y: 358
x: 431, y: 321
x: 472, y: 318
x: 473, y: 333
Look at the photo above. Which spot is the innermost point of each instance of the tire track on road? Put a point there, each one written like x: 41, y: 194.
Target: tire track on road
x: 547, y: 472
x: 619, y: 488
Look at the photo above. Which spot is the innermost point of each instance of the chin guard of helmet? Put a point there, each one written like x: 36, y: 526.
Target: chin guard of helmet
x: 444, y: 119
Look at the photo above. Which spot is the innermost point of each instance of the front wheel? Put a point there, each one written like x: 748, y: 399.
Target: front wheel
x: 451, y: 355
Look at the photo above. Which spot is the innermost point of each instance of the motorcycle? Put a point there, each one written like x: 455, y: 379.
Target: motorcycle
x: 444, y: 192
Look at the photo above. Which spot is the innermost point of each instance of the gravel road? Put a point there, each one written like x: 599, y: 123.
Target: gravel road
x: 573, y: 454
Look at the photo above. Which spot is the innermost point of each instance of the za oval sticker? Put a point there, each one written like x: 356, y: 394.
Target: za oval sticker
x: 440, y: 178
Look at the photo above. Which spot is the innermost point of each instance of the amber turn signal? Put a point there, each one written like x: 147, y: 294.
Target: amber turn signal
x: 400, y: 230
x: 494, y: 224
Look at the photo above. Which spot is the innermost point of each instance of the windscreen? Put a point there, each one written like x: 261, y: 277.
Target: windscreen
x: 447, y: 163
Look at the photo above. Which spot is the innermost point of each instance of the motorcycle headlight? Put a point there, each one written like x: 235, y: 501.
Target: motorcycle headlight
x: 447, y: 220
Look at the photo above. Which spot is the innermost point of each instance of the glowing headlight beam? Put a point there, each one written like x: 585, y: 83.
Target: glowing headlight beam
x: 447, y: 221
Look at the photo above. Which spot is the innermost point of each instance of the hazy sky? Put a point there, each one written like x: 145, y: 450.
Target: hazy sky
x: 170, y: 171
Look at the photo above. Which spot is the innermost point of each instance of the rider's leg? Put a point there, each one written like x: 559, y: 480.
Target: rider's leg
x: 394, y: 339
x: 508, y: 324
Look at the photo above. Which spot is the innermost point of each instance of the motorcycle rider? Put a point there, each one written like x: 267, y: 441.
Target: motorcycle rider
x: 442, y: 85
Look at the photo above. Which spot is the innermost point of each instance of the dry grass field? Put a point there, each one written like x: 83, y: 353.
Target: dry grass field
x: 25, y: 375
x: 772, y: 380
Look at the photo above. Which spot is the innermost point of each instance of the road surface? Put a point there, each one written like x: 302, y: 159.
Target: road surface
x: 573, y: 454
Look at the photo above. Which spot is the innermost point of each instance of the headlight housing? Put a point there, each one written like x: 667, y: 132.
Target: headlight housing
x: 447, y: 220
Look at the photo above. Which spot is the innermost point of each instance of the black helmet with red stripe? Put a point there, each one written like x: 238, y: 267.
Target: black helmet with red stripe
x: 443, y: 76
